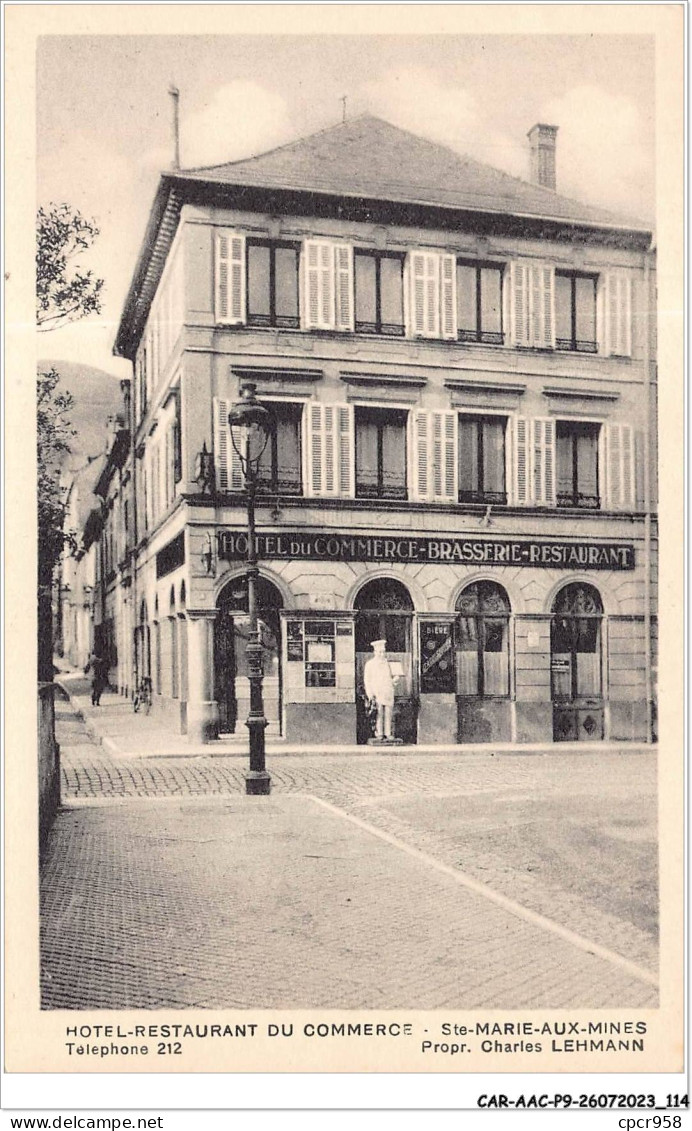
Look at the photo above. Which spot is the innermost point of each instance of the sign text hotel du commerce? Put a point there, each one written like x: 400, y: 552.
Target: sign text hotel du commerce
x: 336, y: 547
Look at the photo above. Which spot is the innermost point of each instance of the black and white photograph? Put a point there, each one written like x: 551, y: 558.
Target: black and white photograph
x: 349, y: 729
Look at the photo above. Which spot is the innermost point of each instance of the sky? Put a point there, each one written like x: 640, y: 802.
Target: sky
x: 104, y: 120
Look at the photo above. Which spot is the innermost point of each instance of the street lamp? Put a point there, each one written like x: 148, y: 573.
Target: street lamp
x: 251, y: 425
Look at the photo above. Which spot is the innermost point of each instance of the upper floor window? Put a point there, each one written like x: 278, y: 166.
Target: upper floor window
x: 279, y: 469
x: 575, y: 312
x: 482, y: 459
x: 380, y: 453
x: 479, y: 302
x: 577, y: 464
x: 379, y: 287
x: 272, y: 284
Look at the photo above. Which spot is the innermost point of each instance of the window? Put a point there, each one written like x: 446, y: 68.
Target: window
x: 575, y: 312
x: 380, y: 453
x: 577, y: 464
x: 479, y: 303
x: 272, y: 284
x: 177, y: 442
x: 379, y: 278
x: 279, y: 469
x: 482, y: 646
x: 575, y: 644
x: 482, y: 459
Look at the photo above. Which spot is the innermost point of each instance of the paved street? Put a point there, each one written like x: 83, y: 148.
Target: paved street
x: 437, y: 880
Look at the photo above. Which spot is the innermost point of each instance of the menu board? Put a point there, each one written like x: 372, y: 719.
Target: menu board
x: 314, y: 643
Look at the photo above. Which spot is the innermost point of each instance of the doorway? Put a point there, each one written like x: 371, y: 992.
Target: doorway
x: 576, y: 666
x: 385, y: 612
x: 231, y: 630
x: 482, y: 663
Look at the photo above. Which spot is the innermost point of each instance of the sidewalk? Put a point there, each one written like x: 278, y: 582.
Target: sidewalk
x: 122, y: 733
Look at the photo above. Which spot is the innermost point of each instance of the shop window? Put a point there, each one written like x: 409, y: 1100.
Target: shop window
x: 577, y: 464
x: 380, y: 453
x: 279, y: 469
x: 482, y: 644
x: 479, y: 303
x: 575, y: 312
x: 272, y: 284
x: 379, y: 286
x: 482, y: 459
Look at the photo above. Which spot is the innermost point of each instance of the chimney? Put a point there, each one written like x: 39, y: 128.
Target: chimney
x: 542, y: 142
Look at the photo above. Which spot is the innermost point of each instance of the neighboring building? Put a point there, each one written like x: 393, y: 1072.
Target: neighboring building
x: 461, y: 365
x: 76, y: 574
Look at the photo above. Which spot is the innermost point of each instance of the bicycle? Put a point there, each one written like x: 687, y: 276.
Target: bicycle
x: 143, y: 695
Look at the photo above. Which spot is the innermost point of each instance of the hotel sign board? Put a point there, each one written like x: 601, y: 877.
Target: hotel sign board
x: 336, y: 547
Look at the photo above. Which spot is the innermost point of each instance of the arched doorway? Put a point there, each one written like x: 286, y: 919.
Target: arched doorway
x: 482, y: 663
x: 385, y: 612
x: 231, y: 684
x: 576, y: 667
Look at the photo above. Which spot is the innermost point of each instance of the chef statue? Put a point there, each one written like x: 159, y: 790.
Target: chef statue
x: 379, y: 688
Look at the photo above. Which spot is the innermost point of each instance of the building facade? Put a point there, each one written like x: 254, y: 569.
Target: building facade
x: 461, y: 366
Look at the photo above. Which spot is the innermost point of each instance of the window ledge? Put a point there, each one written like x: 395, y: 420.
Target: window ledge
x: 582, y: 394
x: 473, y: 510
x: 370, y: 380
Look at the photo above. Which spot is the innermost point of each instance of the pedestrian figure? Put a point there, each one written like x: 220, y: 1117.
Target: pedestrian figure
x: 99, y: 677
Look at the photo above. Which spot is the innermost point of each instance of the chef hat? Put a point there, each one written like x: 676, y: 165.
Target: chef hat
x: 374, y: 643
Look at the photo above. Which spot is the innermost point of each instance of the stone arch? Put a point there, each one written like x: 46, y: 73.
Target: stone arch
x: 513, y: 591
x: 420, y: 604
x: 603, y: 587
x: 232, y: 573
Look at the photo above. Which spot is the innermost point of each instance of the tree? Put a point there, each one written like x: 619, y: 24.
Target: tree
x: 53, y: 433
x: 65, y: 291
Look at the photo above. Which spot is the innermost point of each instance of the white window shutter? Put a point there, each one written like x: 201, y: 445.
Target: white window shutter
x: 343, y: 284
x: 347, y: 469
x: 419, y: 454
x: 222, y: 443
x: 620, y: 462
x: 542, y: 306
x: 229, y: 473
x: 448, y: 296
x: 229, y: 278
x: 424, y: 294
x: 318, y: 280
x: 329, y: 446
x: 443, y: 472
x: 618, y: 313
x: 520, y: 445
x: 543, y: 461
x: 519, y: 304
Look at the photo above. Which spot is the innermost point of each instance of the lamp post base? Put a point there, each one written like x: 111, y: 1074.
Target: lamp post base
x: 257, y: 782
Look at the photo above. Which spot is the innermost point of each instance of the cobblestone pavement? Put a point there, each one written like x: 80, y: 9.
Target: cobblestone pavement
x: 340, y: 917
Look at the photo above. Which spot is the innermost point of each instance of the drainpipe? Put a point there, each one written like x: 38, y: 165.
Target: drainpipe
x: 647, y: 496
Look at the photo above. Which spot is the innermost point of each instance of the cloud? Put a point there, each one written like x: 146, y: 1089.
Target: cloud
x: 239, y: 120
x: 603, y: 156
x: 416, y: 100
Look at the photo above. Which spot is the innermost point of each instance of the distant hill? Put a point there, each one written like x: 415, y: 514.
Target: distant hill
x: 97, y: 395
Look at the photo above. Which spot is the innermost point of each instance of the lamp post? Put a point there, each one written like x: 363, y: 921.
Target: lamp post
x: 251, y: 425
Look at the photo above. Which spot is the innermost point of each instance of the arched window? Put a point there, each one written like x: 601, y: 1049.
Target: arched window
x: 575, y: 643
x: 173, y: 635
x: 384, y: 608
x: 482, y: 643
x: 157, y: 649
